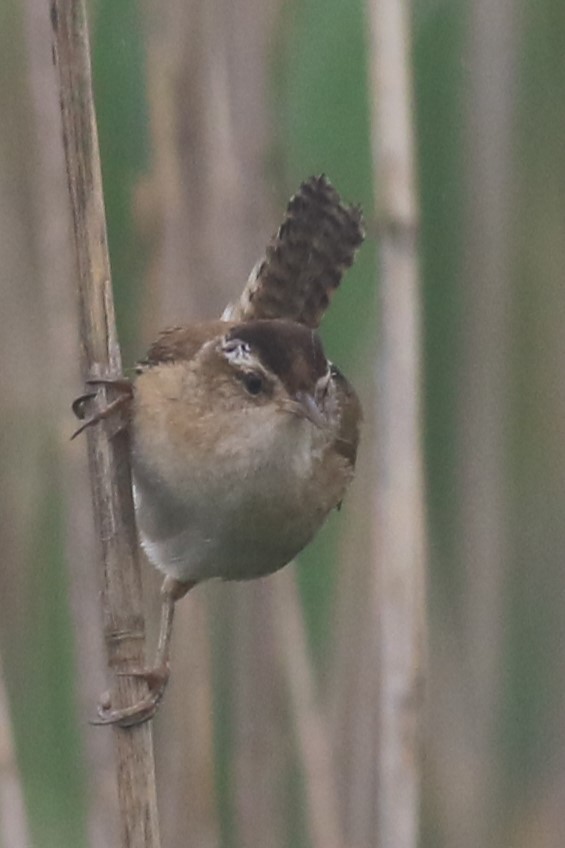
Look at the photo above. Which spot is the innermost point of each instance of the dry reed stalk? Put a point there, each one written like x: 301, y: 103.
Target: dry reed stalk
x: 399, y: 542
x: 14, y: 830
x: 353, y: 684
x: 450, y: 728
x: 54, y: 269
x: 312, y: 730
x: 108, y: 456
x: 259, y: 720
x: 484, y: 404
x: 186, y: 761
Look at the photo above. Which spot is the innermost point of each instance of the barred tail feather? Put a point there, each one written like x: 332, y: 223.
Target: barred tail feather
x: 306, y: 259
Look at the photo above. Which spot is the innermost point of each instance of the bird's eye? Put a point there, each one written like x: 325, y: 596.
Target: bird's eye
x: 253, y: 382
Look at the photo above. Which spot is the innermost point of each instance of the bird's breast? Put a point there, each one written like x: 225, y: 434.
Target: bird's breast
x: 239, y: 510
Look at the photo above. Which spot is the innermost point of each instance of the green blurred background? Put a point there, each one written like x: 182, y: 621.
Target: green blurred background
x: 210, y: 113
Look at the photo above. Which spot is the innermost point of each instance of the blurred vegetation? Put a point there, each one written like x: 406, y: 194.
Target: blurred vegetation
x: 119, y: 74
x: 319, y: 113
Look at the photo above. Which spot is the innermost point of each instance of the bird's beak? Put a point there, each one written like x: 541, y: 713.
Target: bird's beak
x: 307, y: 407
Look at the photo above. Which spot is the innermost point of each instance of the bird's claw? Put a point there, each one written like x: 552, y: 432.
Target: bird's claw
x: 140, y: 712
x: 122, y: 385
x: 78, y: 405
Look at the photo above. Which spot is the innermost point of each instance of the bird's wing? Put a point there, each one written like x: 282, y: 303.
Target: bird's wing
x: 180, y: 343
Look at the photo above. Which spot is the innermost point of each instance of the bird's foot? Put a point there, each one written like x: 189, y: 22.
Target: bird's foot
x: 157, y: 676
x: 140, y: 712
x: 120, y: 384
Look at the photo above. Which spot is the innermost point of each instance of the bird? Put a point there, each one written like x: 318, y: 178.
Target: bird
x: 243, y: 434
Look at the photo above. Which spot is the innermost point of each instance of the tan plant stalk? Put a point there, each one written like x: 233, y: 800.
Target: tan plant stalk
x: 14, y: 830
x: 60, y: 346
x: 399, y: 541
x: 108, y: 456
x: 484, y: 413
x: 353, y: 679
x: 311, y: 727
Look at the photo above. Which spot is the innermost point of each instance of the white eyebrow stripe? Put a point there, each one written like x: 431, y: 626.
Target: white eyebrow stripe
x: 239, y: 354
x: 236, y: 351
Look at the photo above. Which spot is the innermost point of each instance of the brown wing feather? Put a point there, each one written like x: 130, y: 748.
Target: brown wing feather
x: 181, y: 342
x: 305, y: 261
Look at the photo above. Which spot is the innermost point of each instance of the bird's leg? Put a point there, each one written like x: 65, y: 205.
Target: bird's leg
x: 157, y: 676
x: 120, y: 384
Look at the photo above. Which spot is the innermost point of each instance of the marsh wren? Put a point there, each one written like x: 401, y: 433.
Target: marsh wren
x: 244, y: 435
